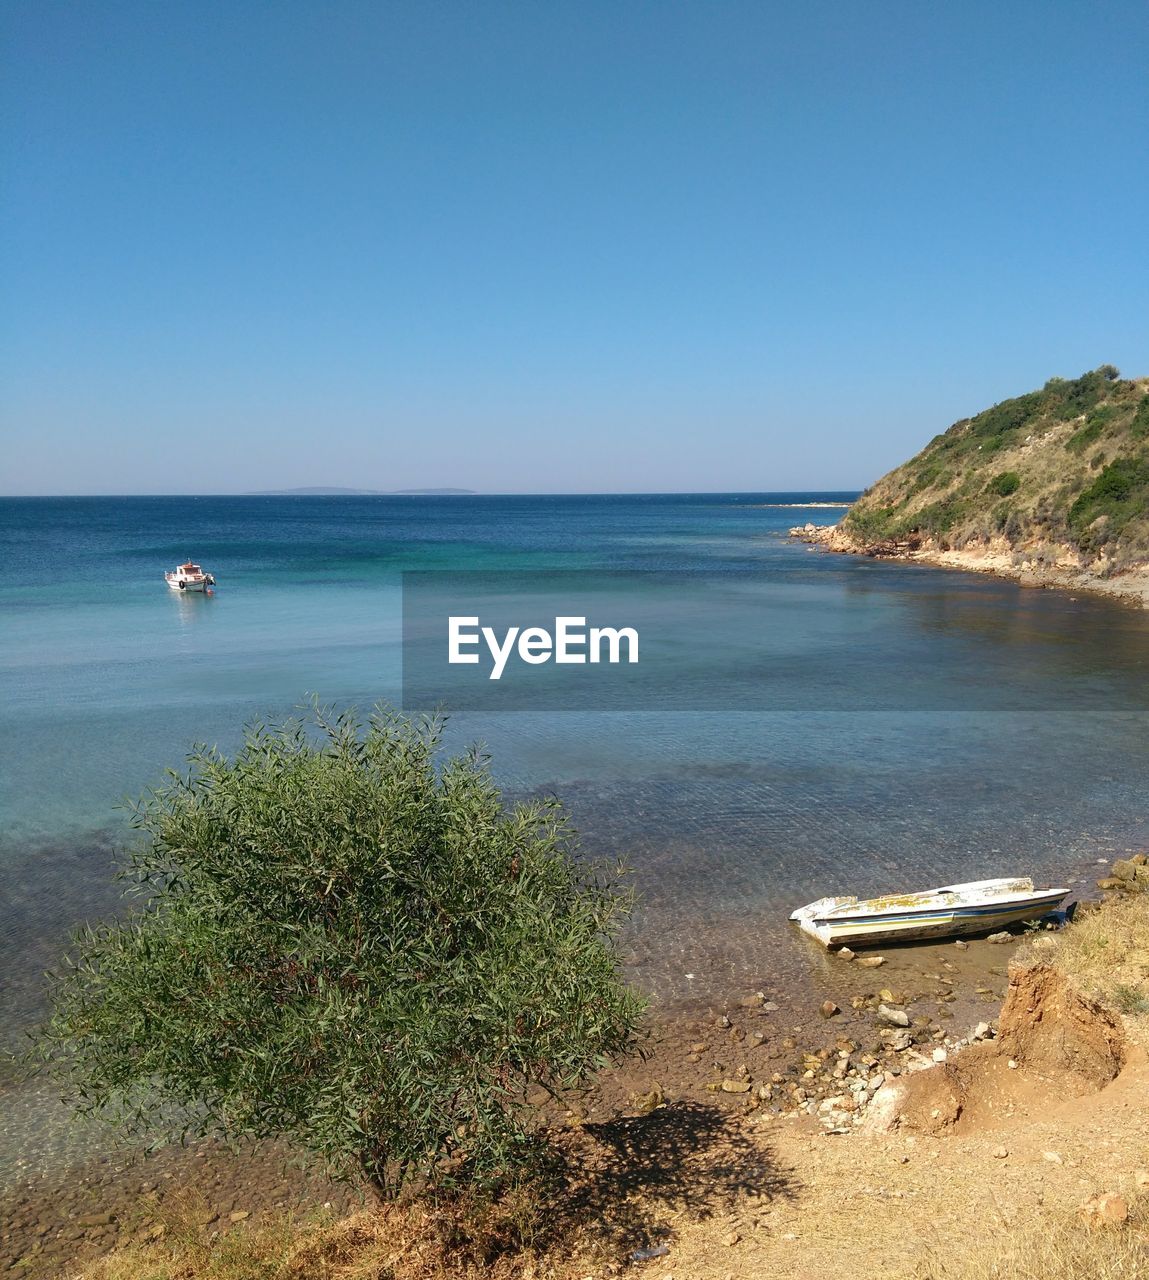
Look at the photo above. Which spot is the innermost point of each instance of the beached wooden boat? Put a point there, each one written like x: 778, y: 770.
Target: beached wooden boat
x: 978, y: 907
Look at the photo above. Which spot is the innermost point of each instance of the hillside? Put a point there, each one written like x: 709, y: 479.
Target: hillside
x: 1054, y: 480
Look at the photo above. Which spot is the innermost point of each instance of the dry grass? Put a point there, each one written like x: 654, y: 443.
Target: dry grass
x: 410, y: 1245
x: 1052, y: 1249
x: 398, y: 1242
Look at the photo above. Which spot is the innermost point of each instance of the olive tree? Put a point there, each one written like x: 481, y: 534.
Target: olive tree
x: 342, y: 938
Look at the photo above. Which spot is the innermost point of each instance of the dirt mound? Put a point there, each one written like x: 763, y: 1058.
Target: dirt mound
x: 1047, y: 1025
x: 1053, y: 1041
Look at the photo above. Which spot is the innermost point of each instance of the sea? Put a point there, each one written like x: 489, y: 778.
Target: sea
x: 853, y: 725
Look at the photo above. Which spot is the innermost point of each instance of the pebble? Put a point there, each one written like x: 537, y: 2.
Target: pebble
x: 896, y: 1017
x: 1000, y: 1153
x: 870, y: 962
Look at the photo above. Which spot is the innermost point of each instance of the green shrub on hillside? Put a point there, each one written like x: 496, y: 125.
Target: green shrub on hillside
x: 933, y: 474
x: 347, y: 940
x: 1139, y: 427
x: 1003, y: 484
x: 873, y: 525
x: 937, y: 517
x: 1006, y: 418
x: 1119, y: 494
x: 1095, y: 423
x: 1073, y: 398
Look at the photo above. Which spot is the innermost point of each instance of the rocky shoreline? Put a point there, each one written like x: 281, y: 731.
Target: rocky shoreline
x: 1055, y: 567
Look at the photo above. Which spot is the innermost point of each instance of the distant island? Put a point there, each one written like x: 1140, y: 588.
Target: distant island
x: 331, y: 491
x: 1050, y: 487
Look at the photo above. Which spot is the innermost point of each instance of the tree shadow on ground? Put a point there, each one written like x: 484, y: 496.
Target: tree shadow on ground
x: 628, y: 1173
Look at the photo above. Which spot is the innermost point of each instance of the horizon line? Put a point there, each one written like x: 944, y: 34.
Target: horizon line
x: 492, y: 493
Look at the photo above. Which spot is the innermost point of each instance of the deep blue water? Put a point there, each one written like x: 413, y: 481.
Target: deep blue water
x: 729, y: 815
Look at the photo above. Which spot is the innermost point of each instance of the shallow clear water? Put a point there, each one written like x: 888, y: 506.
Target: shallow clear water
x: 729, y: 817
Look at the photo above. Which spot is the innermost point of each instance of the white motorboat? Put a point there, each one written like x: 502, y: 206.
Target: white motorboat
x: 189, y: 577
x: 978, y: 907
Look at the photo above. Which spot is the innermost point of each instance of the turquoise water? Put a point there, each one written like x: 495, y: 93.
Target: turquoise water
x: 730, y: 816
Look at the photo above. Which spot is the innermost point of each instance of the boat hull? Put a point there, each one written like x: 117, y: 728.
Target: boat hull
x: 188, y: 586
x: 838, y: 922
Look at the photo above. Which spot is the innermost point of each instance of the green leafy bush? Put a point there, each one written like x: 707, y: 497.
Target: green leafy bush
x: 346, y: 940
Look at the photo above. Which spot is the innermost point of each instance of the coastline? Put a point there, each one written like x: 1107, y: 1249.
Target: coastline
x: 768, y: 1058
x: 996, y: 558
x: 1010, y: 1077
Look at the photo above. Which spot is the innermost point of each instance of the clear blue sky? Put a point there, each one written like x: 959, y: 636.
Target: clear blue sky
x: 553, y: 246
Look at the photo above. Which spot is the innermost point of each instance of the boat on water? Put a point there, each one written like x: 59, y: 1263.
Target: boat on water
x: 189, y: 577
x: 980, y: 906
